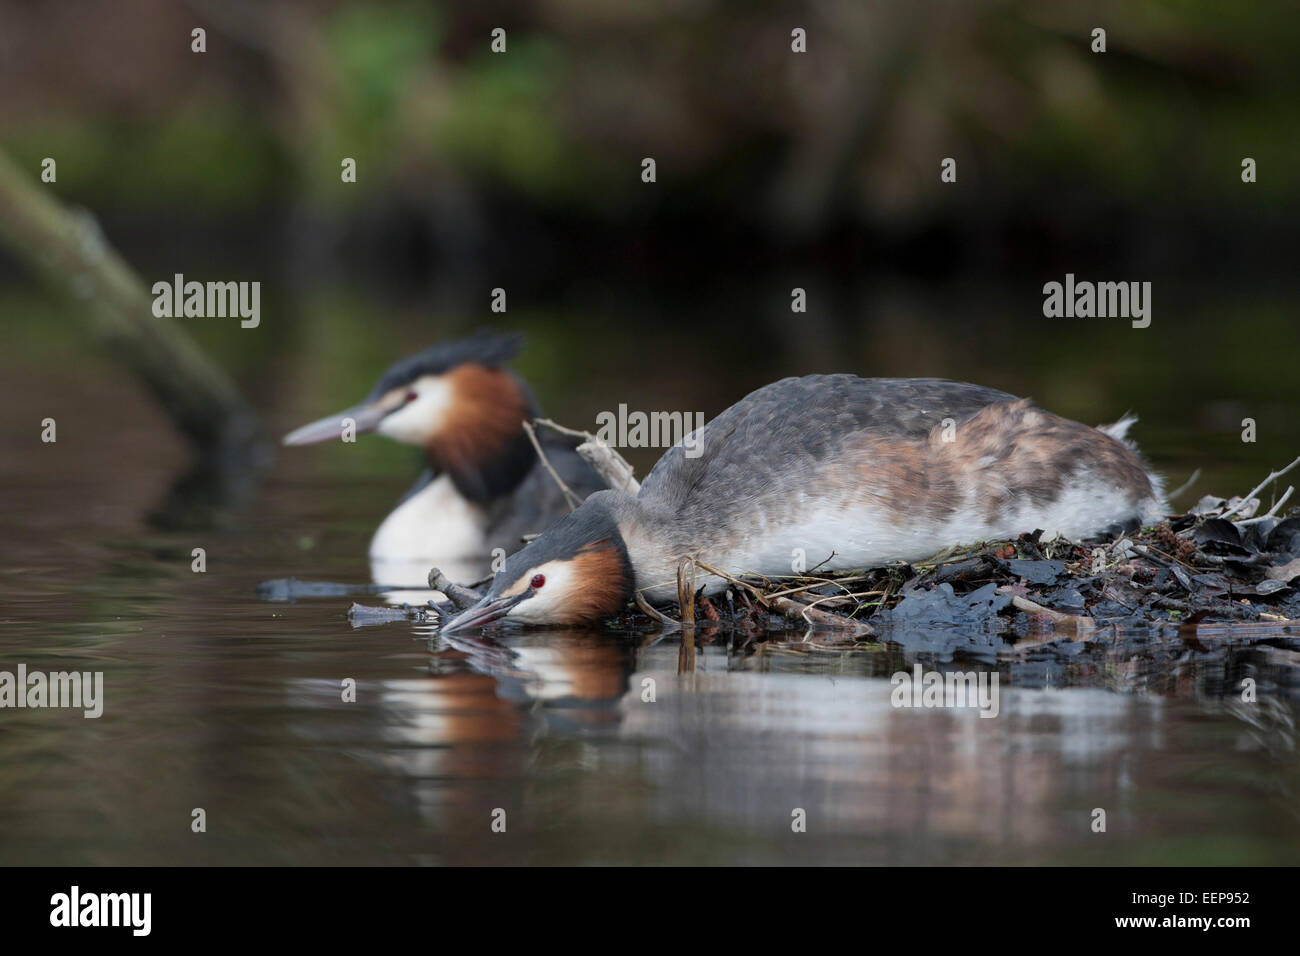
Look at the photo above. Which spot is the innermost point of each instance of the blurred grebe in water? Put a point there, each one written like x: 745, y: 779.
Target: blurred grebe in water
x: 484, y: 487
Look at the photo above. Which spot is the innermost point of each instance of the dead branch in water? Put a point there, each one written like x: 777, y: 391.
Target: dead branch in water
x: 66, y: 248
x: 686, y: 651
x: 650, y: 610
x: 686, y: 591
x: 457, y: 594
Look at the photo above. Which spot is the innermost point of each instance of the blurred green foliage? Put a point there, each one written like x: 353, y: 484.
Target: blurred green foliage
x: 584, y: 92
x: 1146, y: 139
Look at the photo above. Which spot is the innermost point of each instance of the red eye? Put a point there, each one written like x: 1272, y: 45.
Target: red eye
x: 412, y: 396
x: 537, y: 581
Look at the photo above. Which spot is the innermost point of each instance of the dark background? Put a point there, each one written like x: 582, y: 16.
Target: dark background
x: 775, y: 170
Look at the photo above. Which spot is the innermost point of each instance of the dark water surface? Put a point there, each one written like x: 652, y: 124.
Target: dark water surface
x: 217, y: 700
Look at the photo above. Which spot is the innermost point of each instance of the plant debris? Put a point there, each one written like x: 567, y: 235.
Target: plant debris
x: 1195, y: 568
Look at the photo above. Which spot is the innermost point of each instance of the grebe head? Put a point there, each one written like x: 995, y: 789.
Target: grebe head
x: 576, y: 573
x: 455, y: 401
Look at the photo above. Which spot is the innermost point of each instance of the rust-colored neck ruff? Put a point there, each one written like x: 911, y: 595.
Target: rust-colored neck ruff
x: 481, y: 443
x: 603, y: 568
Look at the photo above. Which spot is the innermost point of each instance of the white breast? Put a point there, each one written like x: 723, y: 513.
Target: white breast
x: 836, y: 538
x: 435, y: 527
x: 435, y: 523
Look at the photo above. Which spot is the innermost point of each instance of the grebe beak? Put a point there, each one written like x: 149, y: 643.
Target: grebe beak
x: 485, y: 611
x: 365, y: 416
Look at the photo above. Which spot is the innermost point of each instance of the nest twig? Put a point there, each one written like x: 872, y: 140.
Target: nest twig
x: 569, y: 496
x: 604, y: 460
x: 1272, y: 476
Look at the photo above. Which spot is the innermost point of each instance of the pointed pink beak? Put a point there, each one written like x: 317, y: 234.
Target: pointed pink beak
x: 365, y: 418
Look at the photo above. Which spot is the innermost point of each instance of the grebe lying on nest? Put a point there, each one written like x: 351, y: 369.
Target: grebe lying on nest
x: 852, y: 472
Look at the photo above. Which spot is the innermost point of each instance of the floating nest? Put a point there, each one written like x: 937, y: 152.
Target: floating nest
x: 1201, y: 566
x: 1219, y: 562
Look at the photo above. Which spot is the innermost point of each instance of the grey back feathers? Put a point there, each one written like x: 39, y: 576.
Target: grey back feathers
x: 775, y: 440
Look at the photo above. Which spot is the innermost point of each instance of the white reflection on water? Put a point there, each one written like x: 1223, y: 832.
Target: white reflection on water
x: 555, y: 728
x: 749, y: 747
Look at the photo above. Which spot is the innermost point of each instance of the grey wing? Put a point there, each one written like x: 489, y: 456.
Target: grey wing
x: 911, y: 407
x: 781, y: 431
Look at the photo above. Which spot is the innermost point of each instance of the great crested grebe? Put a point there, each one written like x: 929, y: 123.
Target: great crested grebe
x: 485, y: 486
x: 851, y: 472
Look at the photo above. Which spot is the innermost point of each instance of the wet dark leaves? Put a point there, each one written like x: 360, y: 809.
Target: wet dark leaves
x: 941, y: 606
x: 970, y: 570
x: 942, y: 622
x: 1197, y: 567
x: 1208, y: 505
x: 1285, y: 537
x: 1267, y: 587
x: 1284, y: 572
x: 1210, y: 585
x: 1215, y: 569
x: 1220, y: 536
x: 1068, y: 599
x: 1034, y: 572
